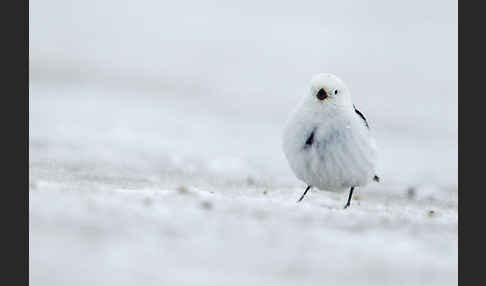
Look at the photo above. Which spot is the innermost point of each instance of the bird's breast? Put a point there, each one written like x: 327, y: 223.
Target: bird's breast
x: 331, y: 155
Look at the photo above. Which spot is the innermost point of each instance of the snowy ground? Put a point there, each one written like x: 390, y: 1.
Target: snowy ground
x: 155, y: 152
x: 164, y: 190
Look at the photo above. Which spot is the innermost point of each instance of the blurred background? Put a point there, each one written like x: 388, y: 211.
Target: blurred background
x: 142, y: 101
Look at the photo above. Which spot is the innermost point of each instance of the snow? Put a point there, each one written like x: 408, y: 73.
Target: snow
x: 155, y: 147
x: 153, y: 190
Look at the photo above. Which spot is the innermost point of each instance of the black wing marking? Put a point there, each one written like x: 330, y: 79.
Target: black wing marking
x: 375, y: 177
x: 310, y: 139
x: 362, y: 116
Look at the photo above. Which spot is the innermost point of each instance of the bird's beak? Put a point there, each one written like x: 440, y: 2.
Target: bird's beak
x: 322, y: 94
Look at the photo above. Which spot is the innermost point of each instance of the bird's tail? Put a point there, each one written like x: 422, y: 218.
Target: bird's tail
x: 376, y: 178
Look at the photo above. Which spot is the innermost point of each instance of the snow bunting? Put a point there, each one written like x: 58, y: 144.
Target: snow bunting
x: 327, y: 140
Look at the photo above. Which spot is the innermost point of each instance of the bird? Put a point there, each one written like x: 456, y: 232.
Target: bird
x: 327, y: 141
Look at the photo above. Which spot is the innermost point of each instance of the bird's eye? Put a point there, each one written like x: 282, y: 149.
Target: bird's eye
x: 336, y: 91
x: 321, y: 94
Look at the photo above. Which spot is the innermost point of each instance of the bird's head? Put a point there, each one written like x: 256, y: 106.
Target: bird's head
x: 327, y: 90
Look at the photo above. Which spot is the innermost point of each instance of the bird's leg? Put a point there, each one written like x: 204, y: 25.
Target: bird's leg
x: 305, y: 192
x: 349, y: 198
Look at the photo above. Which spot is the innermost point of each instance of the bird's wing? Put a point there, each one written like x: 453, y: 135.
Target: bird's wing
x: 375, y: 177
x: 362, y: 116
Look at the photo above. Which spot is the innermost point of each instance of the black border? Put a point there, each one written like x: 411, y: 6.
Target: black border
x: 471, y: 77
x: 14, y: 119
x: 459, y: 145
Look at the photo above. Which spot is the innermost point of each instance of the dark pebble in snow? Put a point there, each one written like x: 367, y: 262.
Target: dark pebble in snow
x: 182, y: 190
x: 250, y: 181
x: 411, y: 192
x: 206, y: 205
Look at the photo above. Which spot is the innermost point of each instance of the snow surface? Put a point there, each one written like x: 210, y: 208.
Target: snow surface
x: 155, y: 143
x: 165, y: 191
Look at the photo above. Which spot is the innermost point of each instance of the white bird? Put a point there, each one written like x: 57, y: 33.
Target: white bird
x: 327, y: 140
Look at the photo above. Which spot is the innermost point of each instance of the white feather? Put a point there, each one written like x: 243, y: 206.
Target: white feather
x: 343, y: 153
